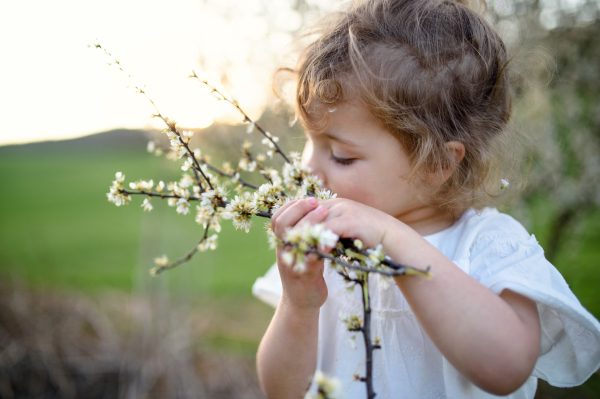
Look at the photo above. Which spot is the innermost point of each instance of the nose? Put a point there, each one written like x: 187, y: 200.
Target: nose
x: 310, y: 158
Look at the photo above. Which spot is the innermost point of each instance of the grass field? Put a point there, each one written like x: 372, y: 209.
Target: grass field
x: 57, y: 227
x: 58, y: 231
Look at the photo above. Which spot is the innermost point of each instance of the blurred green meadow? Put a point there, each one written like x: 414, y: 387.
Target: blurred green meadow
x: 58, y: 230
x: 59, y: 234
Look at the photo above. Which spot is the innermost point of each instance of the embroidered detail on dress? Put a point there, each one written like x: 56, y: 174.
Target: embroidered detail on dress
x: 383, y: 313
x: 582, y: 337
x: 503, y: 244
x: 435, y: 395
x: 411, y: 353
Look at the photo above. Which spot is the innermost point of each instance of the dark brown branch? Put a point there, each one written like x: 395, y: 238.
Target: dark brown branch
x: 366, y: 331
x: 402, y: 270
x: 151, y: 194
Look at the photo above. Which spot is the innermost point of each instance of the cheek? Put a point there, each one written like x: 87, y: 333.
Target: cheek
x: 356, y: 187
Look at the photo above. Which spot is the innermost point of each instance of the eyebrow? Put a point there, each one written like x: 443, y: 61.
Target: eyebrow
x: 339, y: 139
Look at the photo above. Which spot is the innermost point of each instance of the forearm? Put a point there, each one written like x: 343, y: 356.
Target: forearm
x: 479, y: 332
x: 287, y: 354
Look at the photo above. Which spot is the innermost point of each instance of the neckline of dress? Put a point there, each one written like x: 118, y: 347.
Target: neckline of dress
x: 436, y: 237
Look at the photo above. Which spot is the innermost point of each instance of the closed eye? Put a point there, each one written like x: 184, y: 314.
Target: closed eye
x: 342, y: 161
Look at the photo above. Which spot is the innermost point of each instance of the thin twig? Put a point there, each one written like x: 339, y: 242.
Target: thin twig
x: 188, y: 256
x: 223, y: 173
x: 261, y: 169
x: 170, y: 124
x: 246, y: 117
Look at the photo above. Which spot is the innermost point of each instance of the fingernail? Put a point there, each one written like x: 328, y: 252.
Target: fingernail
x: 312, y: 201
x: 320, y: 209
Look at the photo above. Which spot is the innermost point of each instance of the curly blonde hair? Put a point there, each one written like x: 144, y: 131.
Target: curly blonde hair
x: 431, y: 72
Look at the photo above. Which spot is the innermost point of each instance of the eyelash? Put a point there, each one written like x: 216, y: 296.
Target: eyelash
x: 342, y: 161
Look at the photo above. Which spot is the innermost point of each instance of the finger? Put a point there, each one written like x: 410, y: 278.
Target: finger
x: 290, y: 216
x: 317, y: 215
x: 340, y: 227
x: 276, y: 215
x: 280, y: 210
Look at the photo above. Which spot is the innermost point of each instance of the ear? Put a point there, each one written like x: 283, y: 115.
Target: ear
x: 456, y: 150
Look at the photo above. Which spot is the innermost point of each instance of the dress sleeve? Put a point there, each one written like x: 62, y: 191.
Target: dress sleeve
x: 570, y: 341
x: 268, y: 288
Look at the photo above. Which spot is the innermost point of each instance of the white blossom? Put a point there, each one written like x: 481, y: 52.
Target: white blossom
x: 170, y: 134
x: 293, y: 174
x: 162, y: 261
x: 116, y: 194
x: 267, y: 195
x: 151, y: 146
x: 160, y: 187
x: 241, y: 210
x: 504, y: 184
x: 186, y: 181
x: 324, y: 194
x: 188, y: 164
x: 246, y: 165
x: 183, y: 206
x: 376, y: 256
x: 353, y: 322
x: 268, y: 142
x: 304, y: 237
x: 186, y: 136
x: 146, y: 205
x: 251, y: 128
x: 311, y: 184
x: 209, y: 243
x: 327, y: 387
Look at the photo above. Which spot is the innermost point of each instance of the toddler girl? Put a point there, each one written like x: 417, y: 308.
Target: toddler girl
x: 406, y: 105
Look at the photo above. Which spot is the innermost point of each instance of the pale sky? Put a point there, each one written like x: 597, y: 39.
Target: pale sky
x: 52, y: 86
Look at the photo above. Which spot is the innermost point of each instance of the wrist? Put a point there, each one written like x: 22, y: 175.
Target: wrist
x: 299, y: 313
x: 394, y: 234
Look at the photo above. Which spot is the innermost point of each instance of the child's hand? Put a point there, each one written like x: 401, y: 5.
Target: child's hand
x: 351, y: 219
x: 304, y: 291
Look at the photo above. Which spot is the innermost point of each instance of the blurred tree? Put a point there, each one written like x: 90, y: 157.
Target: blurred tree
x: 567, y: 160
x: 557, y: 84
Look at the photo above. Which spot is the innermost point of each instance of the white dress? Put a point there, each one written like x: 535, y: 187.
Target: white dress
x: 498, y: 252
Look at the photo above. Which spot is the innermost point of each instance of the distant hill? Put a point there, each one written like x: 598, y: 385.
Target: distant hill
x: 222, y: 141
x: 105, y: 140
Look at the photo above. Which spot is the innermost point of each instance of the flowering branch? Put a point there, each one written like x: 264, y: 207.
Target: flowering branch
x: 253, y: 125
x: 177, y: 140
x: 348, y: 257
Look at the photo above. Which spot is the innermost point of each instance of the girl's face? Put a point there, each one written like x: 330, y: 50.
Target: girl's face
x: 358, y: 160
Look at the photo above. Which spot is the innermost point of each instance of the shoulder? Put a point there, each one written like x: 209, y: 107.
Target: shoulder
x: 487, y: 238
x: 477, y: 230
x: 491, y: 222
